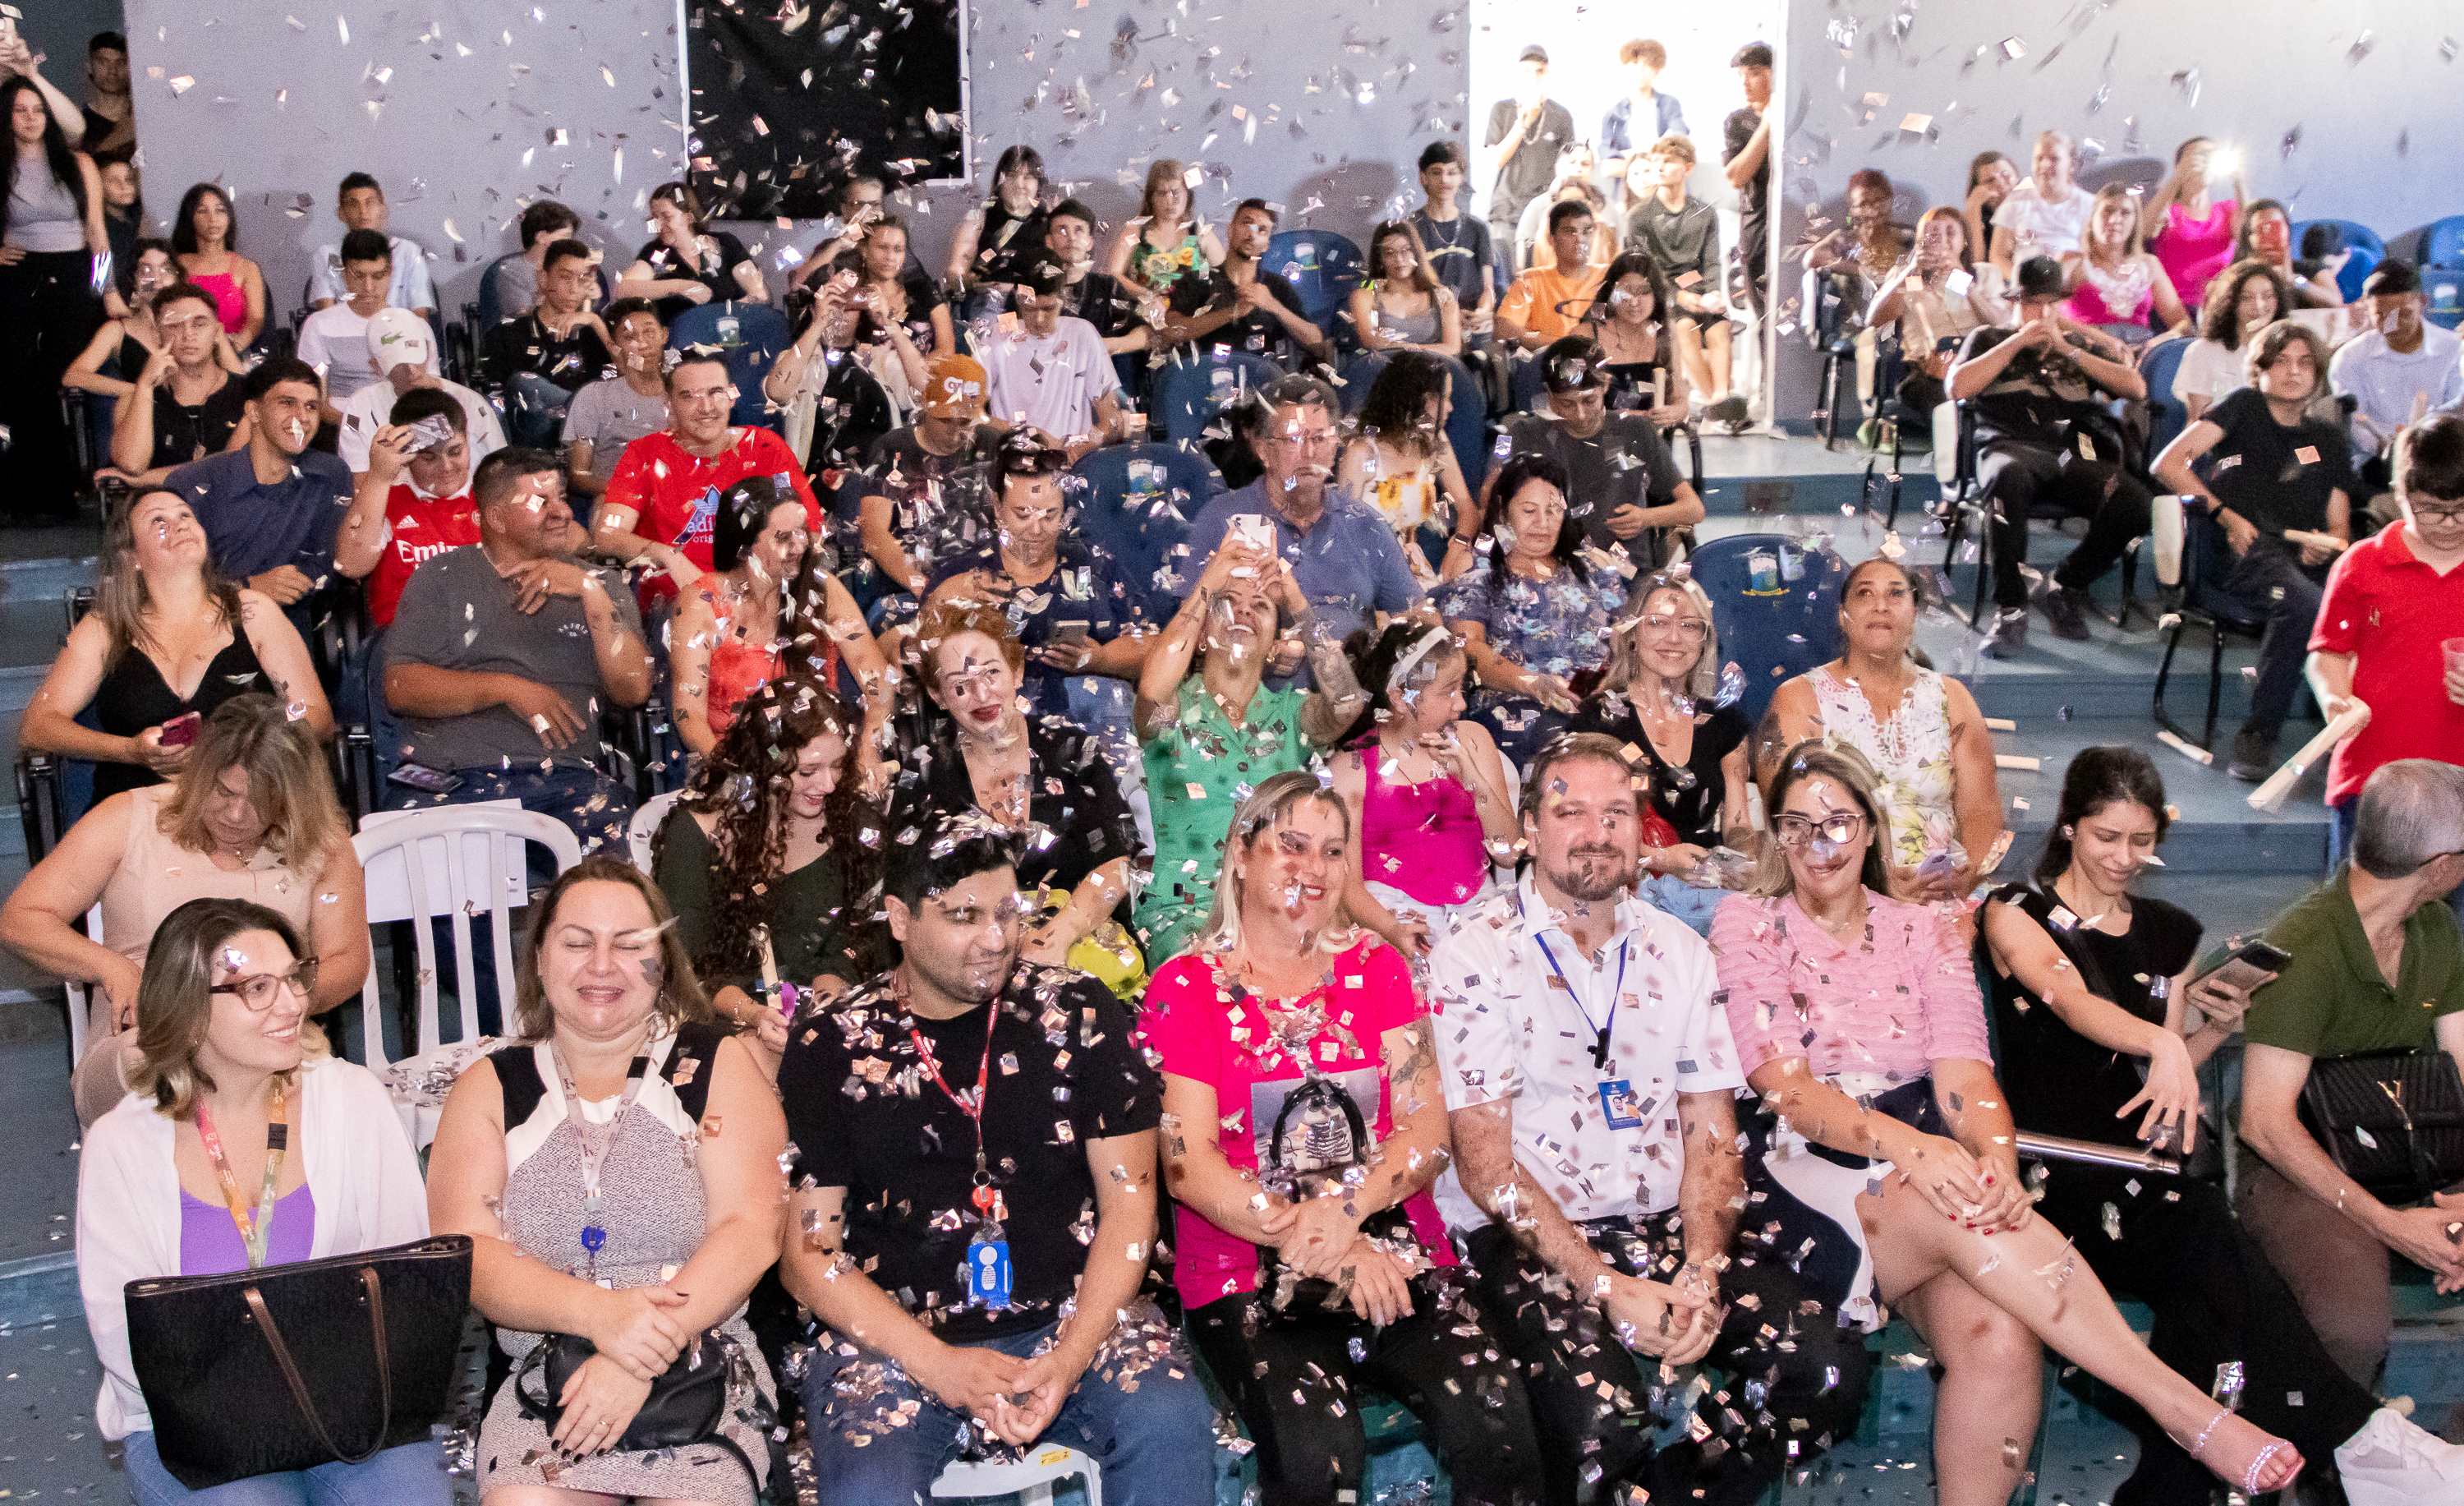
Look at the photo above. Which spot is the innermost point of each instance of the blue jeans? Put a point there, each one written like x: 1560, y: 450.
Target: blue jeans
x: 1673, y: 896
x: 2273, y: 582
x: 597, y: 807
x: 534, y: 409
x: 410, y: 1475
x: 1155, y: 1445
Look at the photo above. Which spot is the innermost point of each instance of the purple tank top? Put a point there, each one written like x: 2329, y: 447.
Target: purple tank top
x: 209, y: 1241
x: 1424, y: 839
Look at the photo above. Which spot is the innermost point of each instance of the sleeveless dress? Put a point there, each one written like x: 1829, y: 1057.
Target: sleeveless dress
x: 1423, y: 851
x: 2117, y: 302
x: 656, y: 1219
x: 1159, y: 268
x: 2193, y: 251
x: 1910, y: 752
x: 134, y: 696
x: 231, y: 299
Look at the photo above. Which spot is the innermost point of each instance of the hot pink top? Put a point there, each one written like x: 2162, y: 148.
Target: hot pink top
x: 231, y: 299
x: 1424, y: 839
x: 1890, y: 1004
x: 2193, y: 251
x: 1207, y: 1030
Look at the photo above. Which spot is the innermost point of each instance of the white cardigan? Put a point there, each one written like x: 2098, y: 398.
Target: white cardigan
x: 360, y: 1171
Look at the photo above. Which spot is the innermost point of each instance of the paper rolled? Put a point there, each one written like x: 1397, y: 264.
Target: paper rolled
x: 2270, y: 796
x: 2000, y: 725
x: 2018, y: 761
x: 2183, y: 747
x: 2089, y: 1153
x: 2320, y: 541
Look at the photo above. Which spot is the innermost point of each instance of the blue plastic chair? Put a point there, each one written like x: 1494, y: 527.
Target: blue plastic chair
x: 2367, y: 250
x: 1777, y: 617
x: 1322, y: 267
x: 1136, y: 502
x: 749, y: 336
x: 1194, y: 385
x: 2443, y: 286
x: 2442, y: 243
x: 2158, y: 365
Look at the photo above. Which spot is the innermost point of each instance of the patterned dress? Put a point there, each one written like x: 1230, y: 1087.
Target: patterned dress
x: 1910, y: 752
x: 654, y: 1219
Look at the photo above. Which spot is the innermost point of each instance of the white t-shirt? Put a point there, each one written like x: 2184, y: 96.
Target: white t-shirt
x: 371, y: 407
x: 334, y: 340
x: 2042, y: 227
x: 1507, y: 1031
x: 1053, y: 382
x: 2210, y: 371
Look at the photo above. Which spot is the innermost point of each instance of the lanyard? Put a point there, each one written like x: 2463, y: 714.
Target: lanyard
x: 1602, y: 1030
x: 970, y: 1103
x: 594, y: 1145
x: 255, y: 1233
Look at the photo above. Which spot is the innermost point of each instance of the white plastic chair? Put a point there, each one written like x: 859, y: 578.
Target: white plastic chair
x: 1505, y: 868
x: 81, y: 1001
x: 648, y: 818
x: 451, y: 863
x: 1030, y: 1477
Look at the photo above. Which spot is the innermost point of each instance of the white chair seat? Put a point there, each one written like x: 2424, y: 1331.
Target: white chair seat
x: 1029, y: 1477
x: 647, y: 820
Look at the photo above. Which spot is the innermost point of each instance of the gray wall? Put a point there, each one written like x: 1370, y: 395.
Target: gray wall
x: 1339, y: 109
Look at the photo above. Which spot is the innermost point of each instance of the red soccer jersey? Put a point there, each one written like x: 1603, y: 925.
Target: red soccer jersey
x: 418, y: 529
x: 674, y: 495
x: 2390, y: 612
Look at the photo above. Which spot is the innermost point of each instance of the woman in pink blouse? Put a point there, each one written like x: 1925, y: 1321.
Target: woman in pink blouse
x: 1888, y: 1147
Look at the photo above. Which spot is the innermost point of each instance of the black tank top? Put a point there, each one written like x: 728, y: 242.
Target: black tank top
x: 134, y: 696
x: 1007, y: 242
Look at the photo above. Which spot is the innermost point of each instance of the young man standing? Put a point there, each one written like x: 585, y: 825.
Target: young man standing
x: 335, y: 339
x: 1241, y: 306
x: 1526, y: 132
x: 1682, y: 233
x: 361, y: 206
x: 2391, y: 603
x: 1461, y: 254
x: 1054, y: 375
x: 1548, y: 303
x: 110, y: 120
x: 1590, y: 1083
x: 1643, y: 115
x: 548, y: 354
x: 625, y: 404
x: 270, y: 509
x: 974, y: 1203
x: 402, y: 349
x: 1745, y: 149
x: 186, y: 406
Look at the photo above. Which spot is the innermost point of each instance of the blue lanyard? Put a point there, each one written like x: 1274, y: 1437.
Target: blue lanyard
x: 1602, y: 1032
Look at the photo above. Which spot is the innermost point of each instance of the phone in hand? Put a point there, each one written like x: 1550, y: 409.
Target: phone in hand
x: 2250, y: 962
x: 181, y: 731
x: 1069, y: 633
x: 1255, y: 530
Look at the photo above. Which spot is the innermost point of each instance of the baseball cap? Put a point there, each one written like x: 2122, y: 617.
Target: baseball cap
x: 398, y: 337
x: 2041, y: 278
x: 954, y: 385
x: 1535, y: 54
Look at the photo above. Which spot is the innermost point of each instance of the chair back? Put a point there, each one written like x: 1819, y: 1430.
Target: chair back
x: 749, y: 337
x: 1136, y: 501
x: 2443, y: 284
x: 2442, y: 243
x: 647, y: 817
x: 1524, y: 386
x: 2159, y: 364
x: 2206, y: 558
x: 1777, y: 607
x: 2367, y: 250
x: 450, y: 863
x: 491, y: 302
x: 1196, y: 384
x: 1322, y: 267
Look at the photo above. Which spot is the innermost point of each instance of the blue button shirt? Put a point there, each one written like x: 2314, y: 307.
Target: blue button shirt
x: 252, y: 527
x: 1617, y: 127
x: 1349, y: 563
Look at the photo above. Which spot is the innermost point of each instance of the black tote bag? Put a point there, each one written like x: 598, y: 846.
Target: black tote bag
x: 292, y: 1366
x: 2393, y: 1120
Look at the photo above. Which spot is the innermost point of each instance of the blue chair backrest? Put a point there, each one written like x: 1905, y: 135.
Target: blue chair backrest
x: 2443, y: 284
x: 2159, y: 365
x: 491, y: 303
x: 2442, y: 243
x: 2206, y: 558
x: 1322, y: 267
x: 1526, y: 385
x: 1137, y: 503
x: 1194, y: 385
x: 2367, y: 248
x: 1776, y: 608
x: 750, y: 336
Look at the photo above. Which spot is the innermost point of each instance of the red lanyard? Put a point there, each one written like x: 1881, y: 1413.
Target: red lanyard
x: 256, y: 1233
x: 969, y: 1104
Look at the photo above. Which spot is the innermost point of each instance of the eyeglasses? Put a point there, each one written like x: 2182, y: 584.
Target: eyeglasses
x: 1839, y: 829
x: 1692, y: 628
x: 1304, y: 442
x: 257, y: 991
x: 2438, y: 515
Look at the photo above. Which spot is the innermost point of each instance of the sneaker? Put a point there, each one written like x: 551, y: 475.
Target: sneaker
x: 2253, y: 756
x: 1728, y: 408
x: 2065, y: 610
x: 2396, y: 1459
x: 2008, y: 635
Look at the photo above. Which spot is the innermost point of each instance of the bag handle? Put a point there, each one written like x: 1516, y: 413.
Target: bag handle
x: 298, y: 1383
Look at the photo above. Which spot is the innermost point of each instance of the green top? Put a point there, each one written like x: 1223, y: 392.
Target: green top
x: 2331, y: 999
x: 812, y: 933
x: 1198, y: 770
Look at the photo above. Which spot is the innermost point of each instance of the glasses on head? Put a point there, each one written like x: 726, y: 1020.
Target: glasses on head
x: 257, y: 991
x: 1693, y: 630
x: 1839, y: 829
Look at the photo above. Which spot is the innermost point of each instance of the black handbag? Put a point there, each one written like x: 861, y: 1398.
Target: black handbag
x: 288, y: 1368
x: 2393, y: 1120
x: 1288, y: 1293
x: 687, y: 1403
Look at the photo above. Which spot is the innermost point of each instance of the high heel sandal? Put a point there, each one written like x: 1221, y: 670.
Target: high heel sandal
x: 2257, y: 1465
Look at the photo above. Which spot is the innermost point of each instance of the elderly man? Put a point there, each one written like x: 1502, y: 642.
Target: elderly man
x: 2374, y: 965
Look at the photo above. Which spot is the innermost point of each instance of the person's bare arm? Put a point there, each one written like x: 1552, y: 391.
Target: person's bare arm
x: 1974, y: 375
x: 284, y: 653
x: 1976, y: 792
x: 689, y: 644
x: 744, y: 1140
x: 2168, y: 300
x: 44, y: 918
x: 49, y: 724
x: 252, y: 283
x: 2331, y: 681
x: 624, y: 659
x: 1749, y: 161
x: 881, y: 545
x: 85, y: 372
x: 2005, y: 250
x: 1200, y: 1177
x: 613, y: 536
x: 1793, y: 716
x: 1711, y: 1192
x: 338, y: 928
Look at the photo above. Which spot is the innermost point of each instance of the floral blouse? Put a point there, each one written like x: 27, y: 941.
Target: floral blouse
x: 1559, y: 626
x: 1910, y: 752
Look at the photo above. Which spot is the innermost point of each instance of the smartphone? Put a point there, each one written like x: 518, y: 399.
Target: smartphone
x: 1937, y: 864
x: 1071, y: 631
x: 181, y: 731
x: 1256, y: 530
x: 427, y: 781
x: 2246, y: 966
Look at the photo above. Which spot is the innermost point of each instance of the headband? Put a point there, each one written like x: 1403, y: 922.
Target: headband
x: 1411, y: 657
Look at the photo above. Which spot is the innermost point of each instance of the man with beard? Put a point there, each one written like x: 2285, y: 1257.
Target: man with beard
x: 974, y: 1203
x: 1590, y: 1081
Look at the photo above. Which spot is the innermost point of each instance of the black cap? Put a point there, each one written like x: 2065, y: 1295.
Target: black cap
x: 1535, y: 54
x: 1041, y: 276
x: 2389, y: 278
x: 2041, y: 278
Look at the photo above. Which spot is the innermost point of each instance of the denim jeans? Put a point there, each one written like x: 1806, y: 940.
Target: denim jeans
x: 534, y: 409
x: 597, y: 807
x: 410, y: 1475
x: 878, y: 1436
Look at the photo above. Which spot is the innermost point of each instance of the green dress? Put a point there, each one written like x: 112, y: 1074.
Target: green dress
x: 816, y: 929
x: 1198, y: 770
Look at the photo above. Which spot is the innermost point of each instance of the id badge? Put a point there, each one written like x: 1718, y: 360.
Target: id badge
x: 988, y: 1272
x: 1619, y: 1105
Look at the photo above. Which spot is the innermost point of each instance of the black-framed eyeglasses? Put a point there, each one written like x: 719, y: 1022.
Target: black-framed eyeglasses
x: 257, y: 991
x: 2453, y: 514
x: 1839, y: 829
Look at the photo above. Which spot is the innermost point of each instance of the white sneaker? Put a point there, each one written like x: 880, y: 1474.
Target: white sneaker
x: 2394, y: 1461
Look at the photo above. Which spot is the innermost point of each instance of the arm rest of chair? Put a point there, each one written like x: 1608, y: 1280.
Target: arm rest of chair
x: 2166, y: 526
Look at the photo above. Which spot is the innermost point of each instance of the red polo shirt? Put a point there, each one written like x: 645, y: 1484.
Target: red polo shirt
x: 418, y: 527
x: 674, y: 495
x: 2390, y: 612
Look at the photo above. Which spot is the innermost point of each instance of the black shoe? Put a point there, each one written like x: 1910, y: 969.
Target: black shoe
x: 2253, y: 756
x: 2008, y: 635
x: 2064, y: 607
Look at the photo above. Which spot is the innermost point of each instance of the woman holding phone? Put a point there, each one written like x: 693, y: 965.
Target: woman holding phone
x: 2105, y: 1019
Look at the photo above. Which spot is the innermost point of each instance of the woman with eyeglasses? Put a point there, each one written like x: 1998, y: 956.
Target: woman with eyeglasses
x: 1167, y: 239
x: 1917, y: 729
x: 251, y: 816
x: 240, y: 1149
x: 1888, y: 1158
x: 1662, y: 694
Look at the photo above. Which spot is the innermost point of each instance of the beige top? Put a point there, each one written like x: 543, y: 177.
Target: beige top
x: 157, y: 875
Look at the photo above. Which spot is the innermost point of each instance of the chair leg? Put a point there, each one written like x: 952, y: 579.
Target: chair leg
x: 1830, y: 400
x: 1891, y: 520
x: 1984, y: 562
x: 2215, y: 681
x: 2164, y: 672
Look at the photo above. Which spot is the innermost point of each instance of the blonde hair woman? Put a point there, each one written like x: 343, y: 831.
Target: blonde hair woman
x: 2115, y: 279
x: 1166, y: 240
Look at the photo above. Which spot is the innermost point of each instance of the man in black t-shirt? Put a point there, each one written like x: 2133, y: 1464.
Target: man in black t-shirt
x: 1098, y: 298
x: 1745, y: 147
x: 1241, y: 306
x: 2280, y: 483
x: 974, y: 1200
x: 186, y: 406
x: 553, y: 351
x: 2043, y: 435
x: 928, y: 478
x: 1626, y: 491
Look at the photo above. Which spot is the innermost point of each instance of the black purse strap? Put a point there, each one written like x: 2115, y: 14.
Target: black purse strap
x: 298, y: 1383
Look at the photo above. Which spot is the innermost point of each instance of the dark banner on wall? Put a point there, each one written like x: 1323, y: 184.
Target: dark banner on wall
x: 791, y: 96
